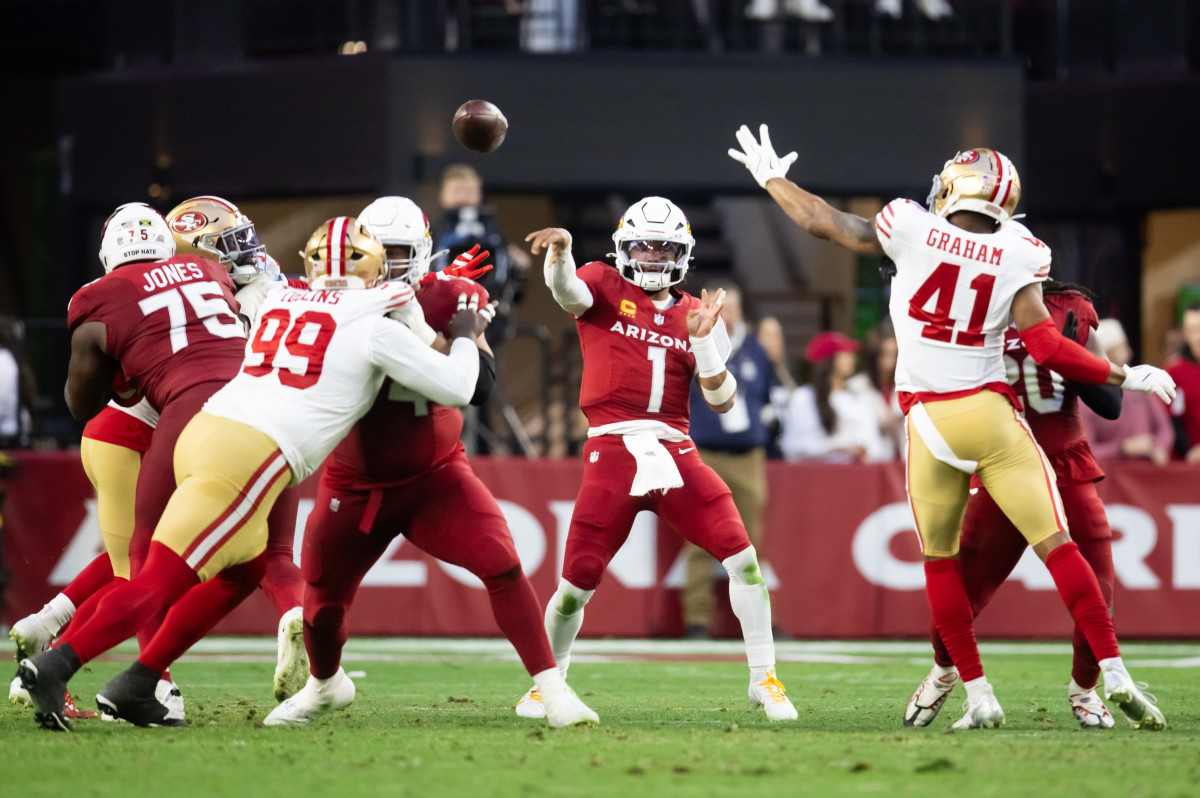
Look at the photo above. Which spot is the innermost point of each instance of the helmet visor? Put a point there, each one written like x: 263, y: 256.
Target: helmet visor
x: 240, y: 244
x: 653, y: 255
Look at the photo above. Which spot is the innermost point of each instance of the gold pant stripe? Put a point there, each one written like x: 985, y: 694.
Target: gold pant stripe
x: 240, y: 514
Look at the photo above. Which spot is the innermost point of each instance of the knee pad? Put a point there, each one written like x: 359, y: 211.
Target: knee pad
x: 503, y: 580
x: 743, y: 567
x: 327, y: 616
x: 568, y: 599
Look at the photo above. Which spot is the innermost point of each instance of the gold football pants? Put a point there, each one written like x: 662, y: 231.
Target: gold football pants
x: 985, y: 434
x: 113, y: 471
x: 229, y: 475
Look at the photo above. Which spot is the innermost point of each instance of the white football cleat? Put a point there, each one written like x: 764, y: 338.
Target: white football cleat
x: 17, y: 694
x: 1138, y: 707
x: 531, y: 704
x: 169, y: 695
x: 318, y: 697
x: 1087, y: 708
x: 563, y: 708
x: 770, y: 695
x: 982, y: 713
x: 929, y: 697
x: 291, y: 660
x: 32, y: 634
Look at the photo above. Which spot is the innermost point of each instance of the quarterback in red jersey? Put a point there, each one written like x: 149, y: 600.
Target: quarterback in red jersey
x: 643, y: 342
x: 403, y: 470
x: 991, y: 545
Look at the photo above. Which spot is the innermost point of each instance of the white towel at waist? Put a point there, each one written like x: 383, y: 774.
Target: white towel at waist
x: 656, y: 468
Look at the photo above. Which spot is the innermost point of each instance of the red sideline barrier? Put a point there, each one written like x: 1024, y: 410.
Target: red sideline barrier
x: 843, y: 557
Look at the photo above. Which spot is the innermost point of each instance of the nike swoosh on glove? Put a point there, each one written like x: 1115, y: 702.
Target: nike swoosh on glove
x: 1149, y: 379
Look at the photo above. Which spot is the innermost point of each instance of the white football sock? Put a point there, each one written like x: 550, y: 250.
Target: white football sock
x: 976, y: 688
x: 939, y: 671
x: 549, y: 680
x: 57, y: 612
x: 751, y: 604
x: 564, y: 617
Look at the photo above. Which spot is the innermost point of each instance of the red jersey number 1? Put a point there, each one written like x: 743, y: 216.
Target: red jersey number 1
x: 938, y: 324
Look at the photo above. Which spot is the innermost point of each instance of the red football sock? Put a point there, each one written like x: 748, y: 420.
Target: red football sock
x: 1080, y: 591
x: 125, y: 608
x: 952, y: 616
x: 196, y: 613
x: 519, y: 616
x: 282, y: 581
x: 94, y: 576
x: 324, y: 632
x: 88, y: 609
x: 940, y: 655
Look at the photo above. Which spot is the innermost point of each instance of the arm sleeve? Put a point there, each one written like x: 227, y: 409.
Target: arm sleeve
x: 1105, y: 400
x: 1048, y: 347
x: 486, y: 383
x: 571, y: 293
x: 446, y: 379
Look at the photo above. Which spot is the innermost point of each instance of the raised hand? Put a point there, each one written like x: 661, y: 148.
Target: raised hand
x: 759, y: 157
x: 550, y: 237
x: 700, y: 321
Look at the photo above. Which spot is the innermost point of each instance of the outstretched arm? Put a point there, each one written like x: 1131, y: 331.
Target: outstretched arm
x: 571, y: 293
x: 1047, y: 346
x: 805, y: 208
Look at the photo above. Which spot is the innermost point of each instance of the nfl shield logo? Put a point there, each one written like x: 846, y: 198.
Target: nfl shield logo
x: 658, y: 318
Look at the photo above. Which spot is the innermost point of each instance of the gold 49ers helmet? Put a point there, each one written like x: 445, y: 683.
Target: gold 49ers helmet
x: 341, y: 253
x: 979, y: 180
x: 213, y: 228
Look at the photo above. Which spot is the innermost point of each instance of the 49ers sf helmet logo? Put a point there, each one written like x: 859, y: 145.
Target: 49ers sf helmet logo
x: 189, y: 222
x: 970, y: 156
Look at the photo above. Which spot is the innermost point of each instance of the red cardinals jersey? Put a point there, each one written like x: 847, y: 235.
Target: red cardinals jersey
x: 170, y: 324
x: 403, y: 434
x: 1051, y: 403
x: 637, y: 360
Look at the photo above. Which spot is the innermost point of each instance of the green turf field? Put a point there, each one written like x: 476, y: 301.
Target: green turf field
x: 434, y: 718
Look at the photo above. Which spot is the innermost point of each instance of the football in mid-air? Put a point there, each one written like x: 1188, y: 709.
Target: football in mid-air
x: 479, y: 126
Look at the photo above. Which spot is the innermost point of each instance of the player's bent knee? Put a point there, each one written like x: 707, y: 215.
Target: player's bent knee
x: 502, y: 580
x: 326, y: 616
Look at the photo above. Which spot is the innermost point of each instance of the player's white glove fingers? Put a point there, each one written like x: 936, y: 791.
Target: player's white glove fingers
x: 474, y: 303
x: 250, y: 296
x: 759, y: 157
x: 1149, y: 379
x: 462, y: 301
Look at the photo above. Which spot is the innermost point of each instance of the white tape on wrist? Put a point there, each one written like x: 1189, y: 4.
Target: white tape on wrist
x: 720, y: 396
x: 709, y: 362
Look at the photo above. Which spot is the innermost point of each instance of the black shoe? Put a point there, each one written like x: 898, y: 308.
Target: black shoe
x: 45, y: 676
x: 130, y: 696
x: 696, y: 631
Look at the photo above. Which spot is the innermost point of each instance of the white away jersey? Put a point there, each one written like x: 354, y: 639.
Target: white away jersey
x: 952, y: 296
x: 316, y: 359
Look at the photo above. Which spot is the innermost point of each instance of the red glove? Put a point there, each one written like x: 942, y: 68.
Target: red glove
x: 463, y: 266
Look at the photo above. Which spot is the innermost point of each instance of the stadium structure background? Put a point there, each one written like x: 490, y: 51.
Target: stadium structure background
x: 302, y: 110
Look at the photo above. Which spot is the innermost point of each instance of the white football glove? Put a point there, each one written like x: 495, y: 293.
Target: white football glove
x: 251, y: 295
x: 411, y: 315
x: 760, y: 158
x: 1149, y: 379
x: 488, y: 311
